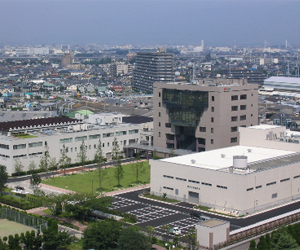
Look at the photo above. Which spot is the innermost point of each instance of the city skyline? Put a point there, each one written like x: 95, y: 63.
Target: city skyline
x: 218, y: 22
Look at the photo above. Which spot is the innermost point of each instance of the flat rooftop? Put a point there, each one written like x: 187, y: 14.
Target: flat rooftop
x: 219, y: 159
x: 213, y: 223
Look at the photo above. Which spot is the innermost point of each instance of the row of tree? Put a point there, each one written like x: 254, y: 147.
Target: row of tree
x: 282, y: 238
x: 48, y: 239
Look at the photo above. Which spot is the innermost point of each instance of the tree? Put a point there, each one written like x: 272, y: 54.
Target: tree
x: 99, y: 159
x: 82, y: 156
x: 132, y: 239
x: 252, y: 245
x: 35, y: 181
x: 155, y: 157
x: 64, y: 160
x: 45, y: 159
x: 262, y: 244
x: 54, y: 239
x: 172, y: 152
x: 191, y: 239
x: 102, y: 235
x: 18, y: 166
x: 166, y: 232
x: 3, y: 178
x: 31, y: 167
x: 116, y: 157
x: 139, y: 167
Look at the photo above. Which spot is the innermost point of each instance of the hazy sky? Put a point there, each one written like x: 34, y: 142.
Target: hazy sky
x: 217, y: 22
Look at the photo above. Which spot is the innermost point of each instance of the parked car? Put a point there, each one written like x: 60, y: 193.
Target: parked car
x: 175, y: 231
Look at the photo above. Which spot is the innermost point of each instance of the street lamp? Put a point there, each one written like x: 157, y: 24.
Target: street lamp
x: 169, y: 245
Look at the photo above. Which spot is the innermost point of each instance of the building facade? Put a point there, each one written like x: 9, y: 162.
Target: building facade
x: 67, y: 59
x: 59, y: 131
x: 204, y: 116
x: 260, y: 173
x: 152, y: 67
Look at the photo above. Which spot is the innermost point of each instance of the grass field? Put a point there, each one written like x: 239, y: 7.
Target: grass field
x: 88, y: 181
x: 10, y: 227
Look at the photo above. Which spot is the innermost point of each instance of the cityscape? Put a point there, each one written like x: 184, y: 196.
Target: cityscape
x: 149, y: 125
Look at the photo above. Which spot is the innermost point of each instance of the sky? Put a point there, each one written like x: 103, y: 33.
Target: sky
x: 150, y: 22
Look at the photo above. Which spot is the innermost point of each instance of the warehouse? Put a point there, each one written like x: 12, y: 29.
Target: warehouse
x: 263, y: 171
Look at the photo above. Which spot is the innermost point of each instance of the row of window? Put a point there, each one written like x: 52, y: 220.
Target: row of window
x: 273, y: 183
x: 4, y: 146
x: 236, y: 97
x: 97, y: 136
x: 193, y: 181
x: 95, y: 146
x: 203, y: 129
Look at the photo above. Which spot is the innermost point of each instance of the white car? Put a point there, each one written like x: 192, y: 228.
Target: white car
x: 176, y: 231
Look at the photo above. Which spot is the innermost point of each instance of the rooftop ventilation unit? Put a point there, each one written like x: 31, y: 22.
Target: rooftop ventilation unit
x: 193, y: 161
x: 223, y: 155
x: 240, y: 161
x: 249, y: 150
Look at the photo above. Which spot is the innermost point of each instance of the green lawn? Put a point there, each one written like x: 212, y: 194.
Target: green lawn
x: 10, y: 227
x: 86, y: 181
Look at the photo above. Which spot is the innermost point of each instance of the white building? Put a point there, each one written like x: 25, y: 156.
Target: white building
x: 282, y: 83
x: 56, y: 132
x: 261, y: 172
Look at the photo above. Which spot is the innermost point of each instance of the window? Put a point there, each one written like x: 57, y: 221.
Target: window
x: 243, y: 117
x: 243, y: 97
x: 249, y: 189
x: 297, y: 176
x: 212, y: 119
x: 212, y: 109
x: 257, y: 187
x: 19, y: 156
x: 168, y: 125
x: 105, y: 135
x: 35, y: 144
x: 4, y: 146
x: 180, y: 179
x: 71, y: 149
x: 158, y: 114
x: 81, y: 138
x: 206, y: 184
x: 176, y: 191
x: 251, y: 115
x: 202, y: 129
x: 234, y: 129
x: 233, y: 139
x: 234, y: 97
x: 271, y: 183
x: 159, y: 104
x: 168, y: 176
x: 212, y: 141
x: 159, y: 134
x: 234, y: 108
x: 212, y: 98
x: 243, y: 107
x: 75, y: 149
x: 133, y: 131
x: 286, y: 179
x: 36, y: 154
x: 223, y: 187
x: 19, y: 146
x: 234, y: 118
x: 274, y: 196
x: 251, y: 105
x: 66, y: 140
x: 169, y: 188
x: 97, y: 136
x: 212, y: 130
x: 159, y: 94
x: 108, y: 144
x: 118, y: 133
x: 197, y: 182
x: 158, y: 124
x: 90, y: 146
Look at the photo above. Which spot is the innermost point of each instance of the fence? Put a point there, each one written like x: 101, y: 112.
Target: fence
x: 25, y: 219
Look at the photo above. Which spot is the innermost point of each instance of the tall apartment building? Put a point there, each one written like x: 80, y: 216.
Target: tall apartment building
x: 202, y: 117
x: 152, y: 67
x: 67, y: 59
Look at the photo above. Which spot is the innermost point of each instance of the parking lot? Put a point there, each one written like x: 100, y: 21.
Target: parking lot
x: 146, y: 215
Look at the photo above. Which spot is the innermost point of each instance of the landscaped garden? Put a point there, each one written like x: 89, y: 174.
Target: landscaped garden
x: 87, y: 182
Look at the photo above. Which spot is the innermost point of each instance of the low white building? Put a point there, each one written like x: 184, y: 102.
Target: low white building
x: 261, y: 172
x: 56, y: 132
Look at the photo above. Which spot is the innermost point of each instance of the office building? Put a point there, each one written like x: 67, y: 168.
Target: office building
x: 203, y: 116
x: 55, y: 132
x: 67, y: 59
x: 152, y: 67
x: 263, y: 171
